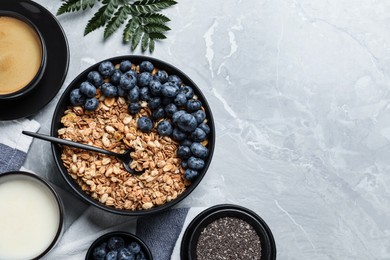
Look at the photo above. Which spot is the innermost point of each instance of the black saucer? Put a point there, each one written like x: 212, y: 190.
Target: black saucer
x: 57, y: 60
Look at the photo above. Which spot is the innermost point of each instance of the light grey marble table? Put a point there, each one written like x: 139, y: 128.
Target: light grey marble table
x: 300, y: 93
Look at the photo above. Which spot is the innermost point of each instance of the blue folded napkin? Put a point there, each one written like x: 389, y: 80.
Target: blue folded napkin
x: 13, y: 144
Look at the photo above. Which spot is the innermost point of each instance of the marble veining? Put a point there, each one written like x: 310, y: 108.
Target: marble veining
x: 299, y: 90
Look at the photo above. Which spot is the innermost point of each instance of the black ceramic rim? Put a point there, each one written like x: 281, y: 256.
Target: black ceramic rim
x: 126, y: 236
x: 34, y: 81
x: 192, y: 232
x: 57, y: 198
x: 64, y: 102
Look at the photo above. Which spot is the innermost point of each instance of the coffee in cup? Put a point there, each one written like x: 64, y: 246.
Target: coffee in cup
x: 22, y: 56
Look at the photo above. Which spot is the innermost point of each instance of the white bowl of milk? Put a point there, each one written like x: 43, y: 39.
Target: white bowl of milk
x: 31, y: 216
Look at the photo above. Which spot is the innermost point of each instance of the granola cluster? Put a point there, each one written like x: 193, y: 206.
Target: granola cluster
x: 104, y: 178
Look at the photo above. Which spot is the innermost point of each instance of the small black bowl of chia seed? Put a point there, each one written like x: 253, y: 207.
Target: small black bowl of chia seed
x: 228, y: 232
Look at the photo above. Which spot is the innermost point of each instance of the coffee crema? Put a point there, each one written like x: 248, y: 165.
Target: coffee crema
x: 20, y: 54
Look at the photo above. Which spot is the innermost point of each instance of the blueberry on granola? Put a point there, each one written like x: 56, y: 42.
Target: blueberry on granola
x: 175, y: 79
x: 184, y: 152
x: 134, y: 94
x: 178, y: 135
x: 205, y: 128
x: 91, y: 104
x: 161, y: 75
x: 146, y: 66
x: 200, y: 116
x: 95, y: 78
x: 198, y: 135
x: 87, y: 89
x: 198, y: 150
x: 115, y: 77
x: 164, y: 128
x: 76, y: 97
x: 109, y: 90
x: 180, y: 99
x: 106, y: 68
x: 158, y: 113
x: 144, y: 94
x: 191, y: 174
x: 134, y: 108
x: 187, y: 122
x: 155, y: 87
x: 144, y: 79
x: 169, y: 90
x: 195, y: 163
x: 125, y: 66
x: 188, y: 91
x: 128, y: 80
x: 193, y: 105
x: 145, y: 124
x: 154, y: 102
x: 170, y: 109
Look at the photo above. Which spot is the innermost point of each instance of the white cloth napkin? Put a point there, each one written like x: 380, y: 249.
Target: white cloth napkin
x: 13, y: 144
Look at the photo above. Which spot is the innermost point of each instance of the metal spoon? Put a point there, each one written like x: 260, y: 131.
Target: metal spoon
x: 124, y: 157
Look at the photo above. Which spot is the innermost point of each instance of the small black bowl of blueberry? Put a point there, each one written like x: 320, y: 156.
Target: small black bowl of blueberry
x: 118, y: 245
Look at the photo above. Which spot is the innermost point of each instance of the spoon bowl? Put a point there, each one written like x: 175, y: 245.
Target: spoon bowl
x: 124, y: 157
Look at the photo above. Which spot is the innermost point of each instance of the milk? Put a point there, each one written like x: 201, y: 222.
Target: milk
x: 29, y: 217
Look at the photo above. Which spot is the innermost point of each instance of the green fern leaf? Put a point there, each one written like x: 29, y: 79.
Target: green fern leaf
x: 150, y: 6
x: 155, y: 27
x: 136, y: 38
x: 157, y: 36
x: 75, y: 5
x: 69, y: 6
x: 101, y: 16
x: 154, y: 18
x: 144, y: 42
x: 130, y: 28
x: 116, y: 21
x: 151, y: 45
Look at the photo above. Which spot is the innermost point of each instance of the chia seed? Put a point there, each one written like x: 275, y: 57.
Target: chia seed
x: 228, y: 238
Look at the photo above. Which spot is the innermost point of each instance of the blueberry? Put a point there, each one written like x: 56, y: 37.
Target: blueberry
x: 164, y: 128
x: 144, y: 94
x: 125, y: 254
x: 187, y: 122
x: 106, y: 69
x: 205, y: 128
x: 175, y: 79
x: 191, y: 174
x: 177, y: 115
x: 184, y: 164
x: 109, y: 90
x: 140, y: 256
x: 161, y: 75
x: 128, y: 80
x: 198, y: 150
x: 146, y: 66
x: 178, y: 135
x: 180, y: 99
x: 186, y: 142
x: 155, y: 87
x: 122, y: 92
x: 115, y: 243
x: 183, y: 152
x: 87, y: 89
x: 112, y: 255
x: 198, y: 135
x: 154, y: 102
x: 134, y: 94
x: 76, y: 97
x: 144, y: 79
x: 125, y: 65
x: 166, y: 100
x: 91, y: 104
x: 188, y: 91
x: 169, y: 89
x: 134, y: 108
x: 195, y: 163
x: 158, y: 113
x: 193, y: 105
x: 116, y: 76
x: 100, y: 251
x: 95, y: 78
x: 170, y: 109
x: 145, y: 124
x: 200, y: 116
x: 134, y: 247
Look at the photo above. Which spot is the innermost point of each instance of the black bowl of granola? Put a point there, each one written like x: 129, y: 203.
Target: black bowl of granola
x: 140, y: 103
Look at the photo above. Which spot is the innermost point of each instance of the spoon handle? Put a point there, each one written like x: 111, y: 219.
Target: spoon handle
x: 69, y: 143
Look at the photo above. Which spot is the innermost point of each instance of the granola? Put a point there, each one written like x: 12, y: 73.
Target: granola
x: 104, y: 178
